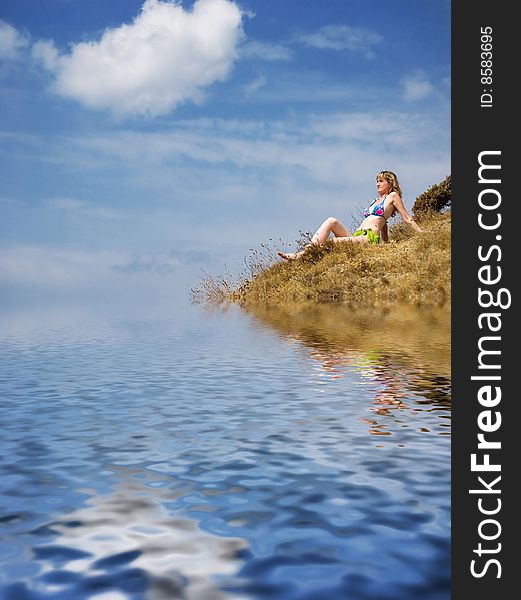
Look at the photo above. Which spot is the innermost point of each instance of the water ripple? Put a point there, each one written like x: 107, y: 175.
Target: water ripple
x: 217, y: 458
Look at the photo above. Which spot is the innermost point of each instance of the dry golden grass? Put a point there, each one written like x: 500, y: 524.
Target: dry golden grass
x: 412, y: 268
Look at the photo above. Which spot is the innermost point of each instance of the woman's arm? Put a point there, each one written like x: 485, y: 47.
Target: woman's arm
x: 398, y: 204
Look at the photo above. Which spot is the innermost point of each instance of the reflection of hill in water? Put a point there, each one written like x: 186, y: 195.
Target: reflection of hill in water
x: 408, y: 343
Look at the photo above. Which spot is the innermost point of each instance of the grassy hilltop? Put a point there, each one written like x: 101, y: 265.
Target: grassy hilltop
x: 411, y: 268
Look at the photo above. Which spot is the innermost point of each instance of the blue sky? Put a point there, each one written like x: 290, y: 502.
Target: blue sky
x: 141, y: 142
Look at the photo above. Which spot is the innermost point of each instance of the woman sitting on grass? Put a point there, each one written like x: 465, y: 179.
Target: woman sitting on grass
x: 374, y: 225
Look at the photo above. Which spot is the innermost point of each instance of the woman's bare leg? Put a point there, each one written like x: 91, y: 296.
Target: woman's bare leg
x: 330, y: 225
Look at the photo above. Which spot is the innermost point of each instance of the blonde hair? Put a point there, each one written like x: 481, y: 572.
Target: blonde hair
x: 392, y: 180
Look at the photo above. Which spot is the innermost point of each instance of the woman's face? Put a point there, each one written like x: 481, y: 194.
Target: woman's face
x: 382, y: 185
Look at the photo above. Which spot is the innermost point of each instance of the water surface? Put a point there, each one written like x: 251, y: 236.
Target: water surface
x: 301, y: 454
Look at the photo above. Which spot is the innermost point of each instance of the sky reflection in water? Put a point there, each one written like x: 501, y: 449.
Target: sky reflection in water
x: 297, y: 454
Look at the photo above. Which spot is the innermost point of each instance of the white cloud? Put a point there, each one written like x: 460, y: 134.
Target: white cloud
x: 11, y: 41
x: 45, y: 52
x: 56, y: 267
x: 166, y: 56
x: 324, y: 149
x: 154, y: 262
x: 77, y: 207
x: 255, y: 85
x: 227, y: 183
x: 256, y: 50
x: 149, y: 263
x: 416, y: 86
x: 334, y: 152
x: 342, y: 37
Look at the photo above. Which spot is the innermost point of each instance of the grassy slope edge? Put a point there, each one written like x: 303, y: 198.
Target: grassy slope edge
x: 411, y: 268
x: 415, y: 268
